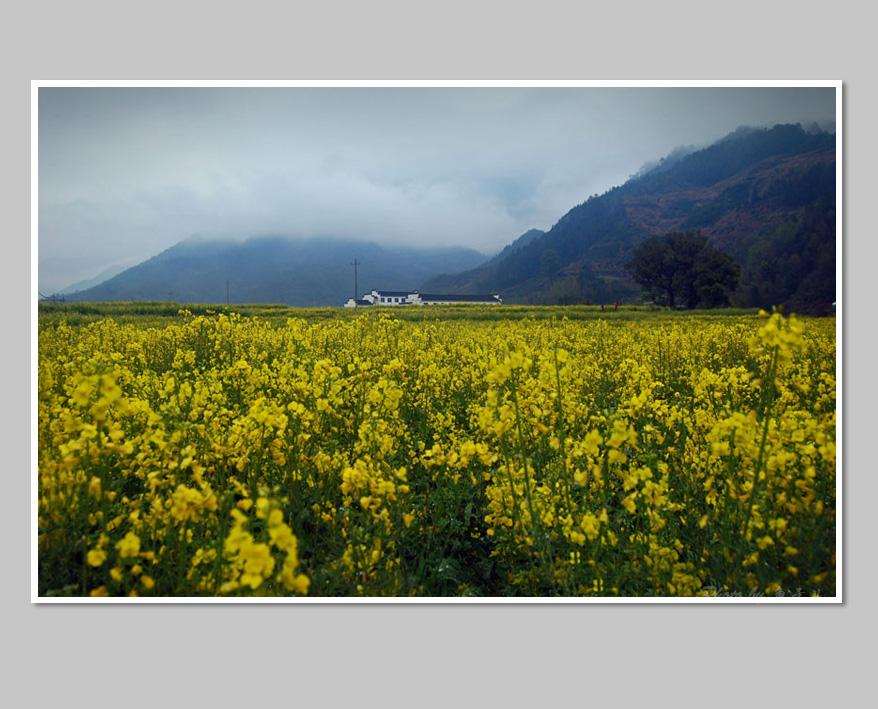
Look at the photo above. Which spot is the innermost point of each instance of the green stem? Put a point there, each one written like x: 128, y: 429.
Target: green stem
x: 511, y: 488
x: 766, y: 418
x: 562, y: 435
x: 521, y: 452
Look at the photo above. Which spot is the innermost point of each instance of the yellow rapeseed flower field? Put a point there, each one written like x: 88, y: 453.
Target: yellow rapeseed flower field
x: 449, y: 454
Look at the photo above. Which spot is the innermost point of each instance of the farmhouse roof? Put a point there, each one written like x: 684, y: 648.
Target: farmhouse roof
x: 447, y: 297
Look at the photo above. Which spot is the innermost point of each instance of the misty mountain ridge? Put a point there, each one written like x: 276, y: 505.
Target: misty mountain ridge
x: 295, y: 271
x: 519, y: 243
x: 766, y: 196
x: 665, y: 163
x: 104, y: 275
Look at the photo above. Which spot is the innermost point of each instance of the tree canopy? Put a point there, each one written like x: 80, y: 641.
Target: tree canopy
x: 682, y: 268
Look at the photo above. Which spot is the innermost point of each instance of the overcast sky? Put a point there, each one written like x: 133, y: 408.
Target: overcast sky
x: 126, y: 172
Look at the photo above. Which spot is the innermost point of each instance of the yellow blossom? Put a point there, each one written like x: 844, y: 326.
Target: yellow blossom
x: 96, y: 557
x: 129, y: 545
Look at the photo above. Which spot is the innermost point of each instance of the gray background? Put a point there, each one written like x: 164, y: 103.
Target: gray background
x: 435, y: 655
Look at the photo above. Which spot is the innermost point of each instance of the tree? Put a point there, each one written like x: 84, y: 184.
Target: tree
x: 716, y: 275
x: 682, y: 268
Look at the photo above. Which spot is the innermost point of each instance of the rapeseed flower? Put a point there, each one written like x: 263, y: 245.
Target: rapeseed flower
x: 128, y: 546
x: 96, y: 557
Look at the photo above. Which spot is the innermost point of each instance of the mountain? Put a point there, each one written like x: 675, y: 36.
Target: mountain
x: 104, y: 275
x: 765, y: 196
x: 520, y: 242
x: 450, y: 283
x: 276, y: 269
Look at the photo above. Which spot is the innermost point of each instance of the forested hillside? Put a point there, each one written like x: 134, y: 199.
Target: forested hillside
x: 764, y: 196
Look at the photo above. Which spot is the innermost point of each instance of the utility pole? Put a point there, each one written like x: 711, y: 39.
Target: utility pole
x: 355, y: 263
x: 227, y: 291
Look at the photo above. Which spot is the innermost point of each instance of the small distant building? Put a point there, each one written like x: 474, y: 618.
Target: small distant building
x: 390, y: 297
x: 450, y: 299
x: 395, y: 298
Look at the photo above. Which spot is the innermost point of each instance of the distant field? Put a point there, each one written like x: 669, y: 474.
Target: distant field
x: 155, y: 312
x: 492, y: 451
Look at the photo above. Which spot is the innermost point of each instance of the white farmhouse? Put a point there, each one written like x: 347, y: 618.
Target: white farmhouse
x: 394, y: 298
